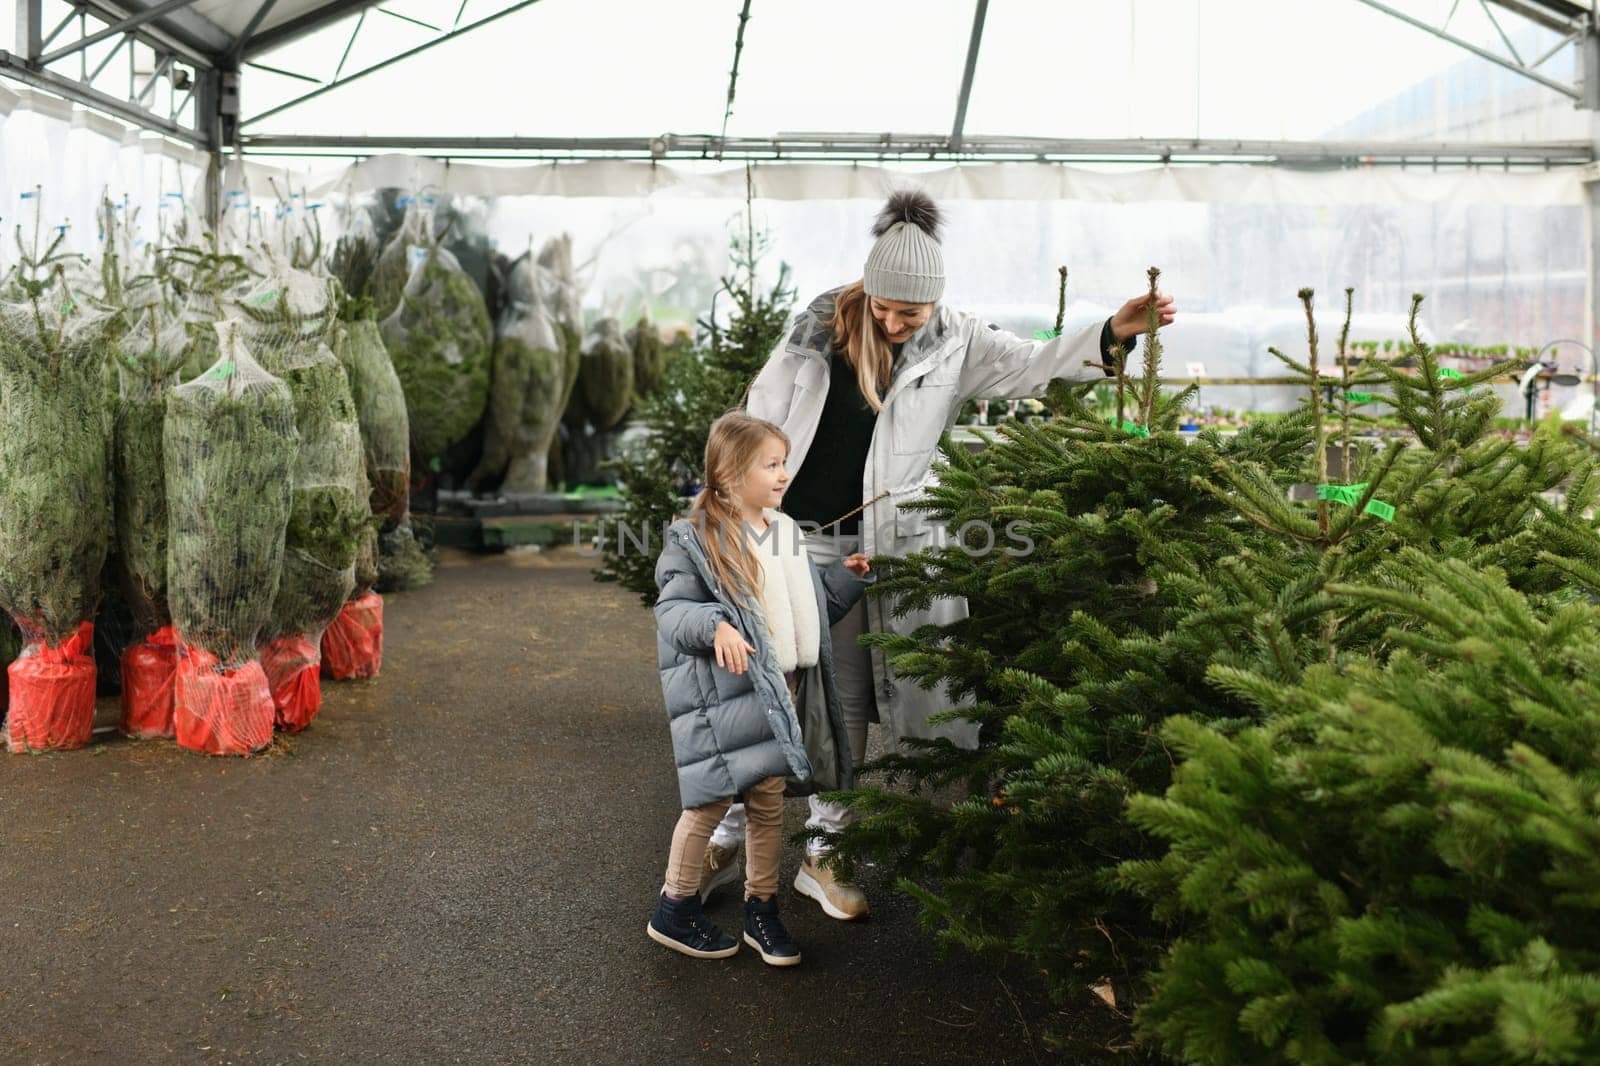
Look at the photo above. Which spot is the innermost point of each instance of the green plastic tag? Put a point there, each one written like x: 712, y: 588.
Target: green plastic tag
x: 1046, y: 334
x: 1350, y: 495
x: 1130, y: 427
x: 1358, y: 397
x: 265, y: 298
x: 434, y: 465
x: 68, y: 307
x: 131, y: 361
x: 1451, y: 373
x: 221, y: 370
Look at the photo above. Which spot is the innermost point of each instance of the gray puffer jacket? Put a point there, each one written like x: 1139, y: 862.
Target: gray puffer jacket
x: 731, y: 731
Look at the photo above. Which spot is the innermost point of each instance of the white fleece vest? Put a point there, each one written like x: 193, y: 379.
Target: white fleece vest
x: 789, y: 600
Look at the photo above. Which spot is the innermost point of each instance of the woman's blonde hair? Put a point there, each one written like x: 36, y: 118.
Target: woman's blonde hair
x: 731, y: 449
x: 857, y: 335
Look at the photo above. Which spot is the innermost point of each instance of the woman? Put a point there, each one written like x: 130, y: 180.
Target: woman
x: 869, y: 378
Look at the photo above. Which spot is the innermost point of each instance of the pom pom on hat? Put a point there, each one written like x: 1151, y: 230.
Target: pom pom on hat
x: 913, y: 206
x: 906, y: 262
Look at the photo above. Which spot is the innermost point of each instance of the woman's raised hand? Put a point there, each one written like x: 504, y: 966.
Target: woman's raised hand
x: 733, y: 651
x: 858, y: 564
x: 1133, y: 318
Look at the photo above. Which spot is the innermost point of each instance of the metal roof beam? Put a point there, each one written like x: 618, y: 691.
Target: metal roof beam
x: 239, y: 42
x: 935, y: 147
x: 960, y: 125
x: 13, y: 66
x: 192, y: 35
x: 126, y: 25
x: 1558, y: 15
x: 1443, y: 34
x: 301, y: 25
x: 391, y: 61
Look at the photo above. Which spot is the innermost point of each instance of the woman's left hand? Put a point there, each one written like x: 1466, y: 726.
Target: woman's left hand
x: 1133, y: 318
x: 858, y: 564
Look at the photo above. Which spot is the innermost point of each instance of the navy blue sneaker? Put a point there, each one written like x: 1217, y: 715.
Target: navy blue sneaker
x: 764, y: 931
x: 684, y: 927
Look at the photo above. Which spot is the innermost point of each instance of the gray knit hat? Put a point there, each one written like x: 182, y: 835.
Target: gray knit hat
x: 906, y: 263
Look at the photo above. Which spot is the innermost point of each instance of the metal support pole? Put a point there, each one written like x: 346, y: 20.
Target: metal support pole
x: 213, y: 190
x: 1589, y: 60
x: 30, y: 34
x: 957, y: 131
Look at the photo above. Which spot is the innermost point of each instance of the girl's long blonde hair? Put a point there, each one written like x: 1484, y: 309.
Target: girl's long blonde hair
x: 731, y: 450
x: 858, y: 336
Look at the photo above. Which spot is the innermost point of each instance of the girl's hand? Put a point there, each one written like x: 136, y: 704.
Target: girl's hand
x: 858, y: 564
x: 733, y: 651
x: 1133, y: 318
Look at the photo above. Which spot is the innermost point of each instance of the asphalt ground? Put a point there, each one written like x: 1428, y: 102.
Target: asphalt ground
x: 454, y: 864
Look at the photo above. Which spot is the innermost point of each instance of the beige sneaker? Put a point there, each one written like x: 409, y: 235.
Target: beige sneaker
x: 839, y: 899
x: 721, y: 867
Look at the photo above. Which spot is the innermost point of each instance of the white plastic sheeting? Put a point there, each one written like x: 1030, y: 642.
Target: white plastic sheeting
x: 72, y: 158
x: 1502, y: 257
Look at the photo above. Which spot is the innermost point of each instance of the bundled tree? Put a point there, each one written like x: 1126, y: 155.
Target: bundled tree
x: 697, y: 386
x: 529, y: 385
x: 381, y: 410
x: 649, y: 355
x: 149, y: 358
x: 55, y: 495
x: 291, y: 316
x: 229, y: 443
x: 436, y: 328
x: 606, y: 375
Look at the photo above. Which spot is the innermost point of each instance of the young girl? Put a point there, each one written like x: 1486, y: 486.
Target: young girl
x: 740, y: 622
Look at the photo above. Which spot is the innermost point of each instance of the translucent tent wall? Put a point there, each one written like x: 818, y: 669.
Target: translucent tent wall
x: 1503, y: 255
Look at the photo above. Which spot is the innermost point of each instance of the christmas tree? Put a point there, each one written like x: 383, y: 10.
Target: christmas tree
x: 1171, y: 580
x: 699, y: 386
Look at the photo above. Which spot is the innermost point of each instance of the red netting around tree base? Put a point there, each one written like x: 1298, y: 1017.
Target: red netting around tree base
x: 221, y: 710
x: 352, y: 646
x: 294, y: 673
x: 52, y: 695
x: 149, y: 675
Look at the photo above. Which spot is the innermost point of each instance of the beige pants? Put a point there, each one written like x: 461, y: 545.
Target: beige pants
x: 763, y: 842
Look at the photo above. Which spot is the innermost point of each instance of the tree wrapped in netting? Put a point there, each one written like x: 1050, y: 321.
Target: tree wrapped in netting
x: 649, y: 355
x: 229, y: 443
x: 381, y: 409
x: 55, y: 498
x: 563, y: 295
x: 437, y: 333
x: 606, y: 374
x: 148, y: 359
x: 203, y: 280
x: 291, y: 316
x: 528, y: 390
